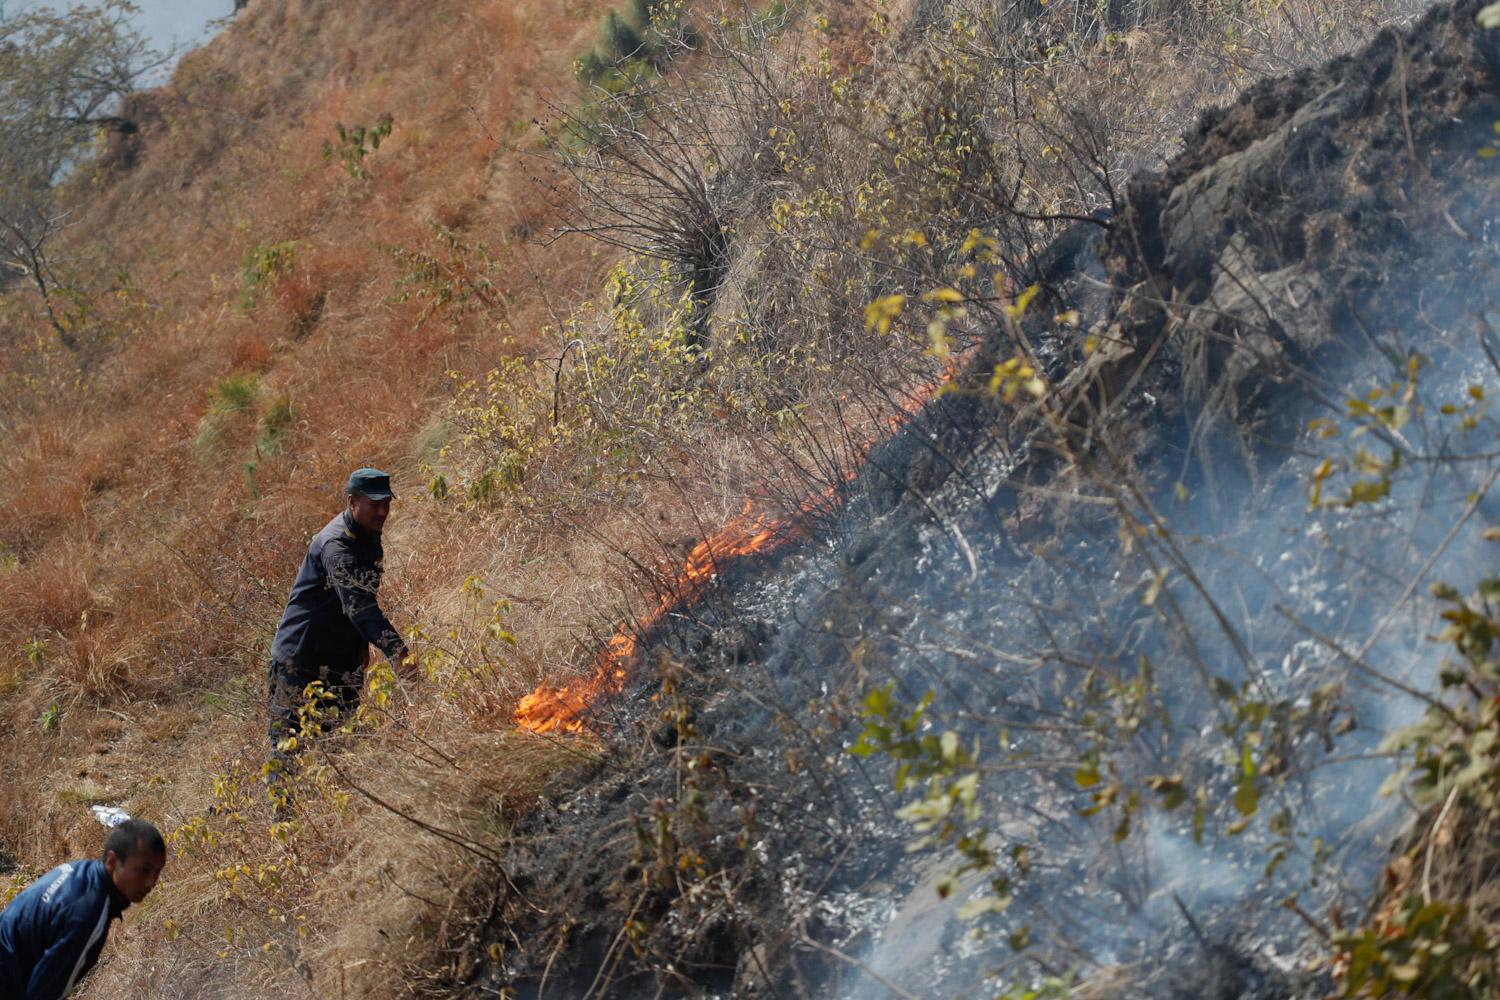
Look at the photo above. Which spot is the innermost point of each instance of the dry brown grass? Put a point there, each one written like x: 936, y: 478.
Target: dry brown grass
x: 108, y: 511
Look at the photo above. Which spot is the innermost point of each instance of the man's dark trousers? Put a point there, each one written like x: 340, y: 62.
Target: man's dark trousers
x: 287, y: 696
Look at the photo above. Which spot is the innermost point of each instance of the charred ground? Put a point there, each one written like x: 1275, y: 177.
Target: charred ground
x: 1326, y: 226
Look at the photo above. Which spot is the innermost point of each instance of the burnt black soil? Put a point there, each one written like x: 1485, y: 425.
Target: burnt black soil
x: 727, y: 845
x: 1340, y: 201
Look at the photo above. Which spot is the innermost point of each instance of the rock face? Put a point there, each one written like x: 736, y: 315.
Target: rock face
x: 1119, y: 587
x: 1322, y: 206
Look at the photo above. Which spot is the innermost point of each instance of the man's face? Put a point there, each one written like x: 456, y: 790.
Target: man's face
x: 369, y: 514
x: 136, y: 876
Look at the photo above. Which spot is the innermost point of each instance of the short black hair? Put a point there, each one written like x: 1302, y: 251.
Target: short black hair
x: 133, y: 836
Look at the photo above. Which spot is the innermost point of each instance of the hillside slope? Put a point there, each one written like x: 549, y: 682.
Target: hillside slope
x: 262, y: 305
x: 241, y: 351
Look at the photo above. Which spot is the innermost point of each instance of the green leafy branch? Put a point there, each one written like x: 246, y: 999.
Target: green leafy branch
x: 949, y: 806
x: 358, y: 142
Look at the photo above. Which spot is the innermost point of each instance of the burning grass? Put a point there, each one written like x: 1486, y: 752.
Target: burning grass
x: 570, y: 706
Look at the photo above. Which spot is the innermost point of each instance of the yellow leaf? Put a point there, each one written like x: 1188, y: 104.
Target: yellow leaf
x: 1023, y: 300
x: 943, y: 295
x: 937, y: 333
x: 1154, y: 591
x: 1320, y: 474
x: 878, y: 314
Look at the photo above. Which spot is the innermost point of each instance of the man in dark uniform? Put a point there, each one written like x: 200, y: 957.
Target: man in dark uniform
x: 332, y: 619
x: 51, y: 934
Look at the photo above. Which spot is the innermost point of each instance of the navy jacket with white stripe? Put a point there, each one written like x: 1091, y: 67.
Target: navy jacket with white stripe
x: 53, y: 931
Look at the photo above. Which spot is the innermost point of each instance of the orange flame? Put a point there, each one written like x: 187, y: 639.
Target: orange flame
x: 566, y: 708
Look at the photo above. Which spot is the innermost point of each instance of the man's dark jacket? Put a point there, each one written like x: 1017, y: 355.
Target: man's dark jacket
x: 52, y: 933
x: 332, y: 614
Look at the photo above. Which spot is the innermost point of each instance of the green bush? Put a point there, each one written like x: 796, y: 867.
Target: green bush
x: 262, y: 263
x: 274, y: 427
x: 590, y: 67
x: 228, y: 401
x: 267, y: 260
x: 634, y: 48
x: 357, y: 143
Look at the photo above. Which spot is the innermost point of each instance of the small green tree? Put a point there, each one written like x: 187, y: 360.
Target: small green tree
x: 620, y: 39
x: 62, y: 76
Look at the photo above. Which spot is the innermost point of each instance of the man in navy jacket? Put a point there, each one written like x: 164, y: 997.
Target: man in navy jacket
x: 52, y: 933
x: 332, y: 617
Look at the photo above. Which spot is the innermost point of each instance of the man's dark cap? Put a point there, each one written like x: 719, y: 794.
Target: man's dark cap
x: 371, y: 483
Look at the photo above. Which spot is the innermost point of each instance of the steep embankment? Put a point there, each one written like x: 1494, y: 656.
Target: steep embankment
x: 1165, y: 611
x: 264, y: 303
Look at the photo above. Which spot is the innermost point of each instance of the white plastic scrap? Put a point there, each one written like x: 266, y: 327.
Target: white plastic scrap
x: 110, y: 816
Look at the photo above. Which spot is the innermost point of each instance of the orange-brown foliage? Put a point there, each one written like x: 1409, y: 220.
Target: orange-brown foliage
x: 148, y: 557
